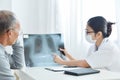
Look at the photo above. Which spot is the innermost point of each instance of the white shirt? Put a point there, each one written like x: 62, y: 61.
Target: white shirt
x: 107, y: 56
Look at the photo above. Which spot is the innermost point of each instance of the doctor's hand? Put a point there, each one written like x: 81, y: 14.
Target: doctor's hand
x: 67, y: 54
x: 64, y: 51
x: 57, y: 59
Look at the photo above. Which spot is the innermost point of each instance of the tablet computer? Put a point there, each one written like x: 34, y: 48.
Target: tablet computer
x: 81, y: 71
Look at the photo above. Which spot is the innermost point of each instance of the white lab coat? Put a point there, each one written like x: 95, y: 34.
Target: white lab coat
x: 106, y: 57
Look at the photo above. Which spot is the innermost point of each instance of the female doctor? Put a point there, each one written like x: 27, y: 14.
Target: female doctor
x: 102, y: 54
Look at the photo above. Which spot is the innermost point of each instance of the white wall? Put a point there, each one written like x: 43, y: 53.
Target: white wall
x: 27, y: 12
x: 5, y: 4
x: 36, y: 16
x: 118, y: 19
x: 46, y: 16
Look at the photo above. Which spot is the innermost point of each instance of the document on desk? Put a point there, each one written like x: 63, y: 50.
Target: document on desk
x: 58, y: 69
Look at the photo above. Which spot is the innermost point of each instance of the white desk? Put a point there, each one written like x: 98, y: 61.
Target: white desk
x: 42, y: 74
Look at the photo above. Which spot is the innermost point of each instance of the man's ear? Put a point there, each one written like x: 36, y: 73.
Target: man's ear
x: 9, y: 33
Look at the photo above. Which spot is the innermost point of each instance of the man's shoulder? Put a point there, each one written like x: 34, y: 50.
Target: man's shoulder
x: 2, y: 50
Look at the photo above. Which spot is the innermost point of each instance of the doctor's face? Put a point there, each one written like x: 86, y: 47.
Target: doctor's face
x: 90, y: 35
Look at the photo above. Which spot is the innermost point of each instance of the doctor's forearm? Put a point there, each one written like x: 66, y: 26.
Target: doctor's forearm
x: 70, y: 57
x: 79, y: 63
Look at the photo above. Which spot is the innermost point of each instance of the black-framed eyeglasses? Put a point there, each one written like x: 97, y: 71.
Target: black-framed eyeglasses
x: 87, y: 32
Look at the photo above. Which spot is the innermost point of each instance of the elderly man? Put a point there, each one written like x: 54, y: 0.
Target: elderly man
x: 9, y: 32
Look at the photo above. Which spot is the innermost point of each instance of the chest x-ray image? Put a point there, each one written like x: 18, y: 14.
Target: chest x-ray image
x: 39, y: 49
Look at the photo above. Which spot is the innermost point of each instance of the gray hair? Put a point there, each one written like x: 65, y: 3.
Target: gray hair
x: 7, y: 20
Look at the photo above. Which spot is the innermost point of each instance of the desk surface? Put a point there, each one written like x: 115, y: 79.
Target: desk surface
x: 42, y: 74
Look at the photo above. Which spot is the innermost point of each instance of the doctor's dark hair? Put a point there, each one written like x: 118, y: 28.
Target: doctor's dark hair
x: 99, y: 23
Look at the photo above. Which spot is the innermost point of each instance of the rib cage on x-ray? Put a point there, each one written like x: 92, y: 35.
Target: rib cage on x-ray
x: 39, y: 49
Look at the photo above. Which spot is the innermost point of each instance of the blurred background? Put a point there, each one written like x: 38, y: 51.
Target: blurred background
x: 67, y: 17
